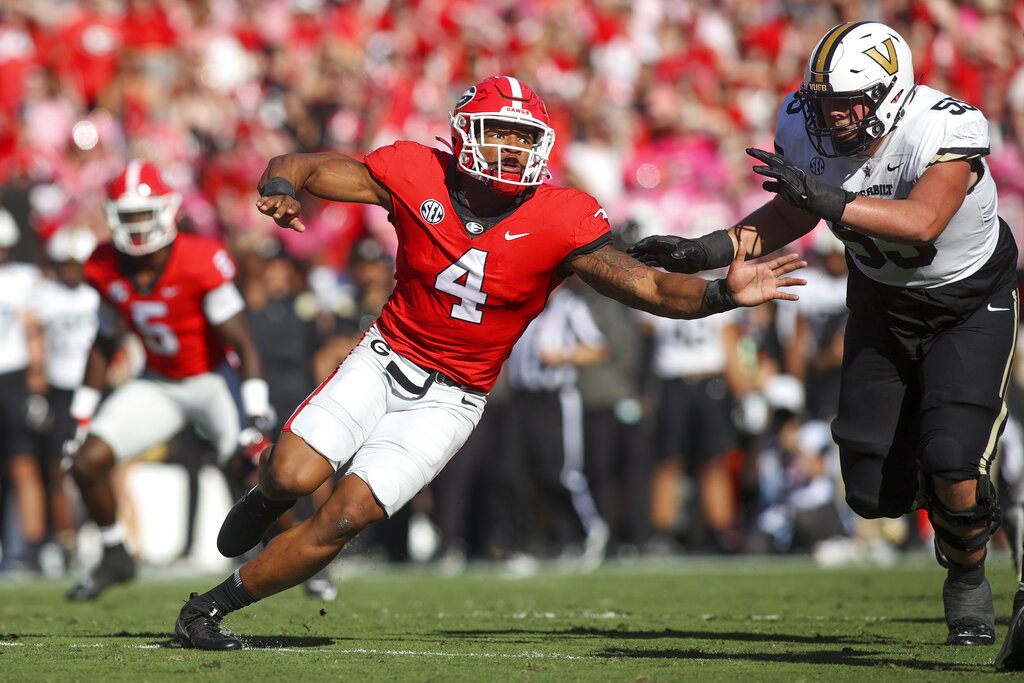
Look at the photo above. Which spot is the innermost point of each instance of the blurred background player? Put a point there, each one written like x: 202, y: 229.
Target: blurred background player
x: 66, y: 309
x: 177, y: 293
x: 698, y: 368
x: 20, y: 372
x: 544, y: 461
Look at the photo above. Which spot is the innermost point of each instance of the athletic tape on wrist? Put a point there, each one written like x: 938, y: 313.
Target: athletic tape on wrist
x: 717, y: 298
x: 84, y: 402
x: 719, y: 248
x: 255, y: 397
x: 278, y: 185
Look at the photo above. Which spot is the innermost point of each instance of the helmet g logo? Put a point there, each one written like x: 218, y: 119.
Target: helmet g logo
x: 466, y: 98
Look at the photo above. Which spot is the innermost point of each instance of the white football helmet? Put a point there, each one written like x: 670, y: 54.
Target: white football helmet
x: 142, y: 210
x: 505, y: 100
x: 75, y: 243
x: 861, y: 62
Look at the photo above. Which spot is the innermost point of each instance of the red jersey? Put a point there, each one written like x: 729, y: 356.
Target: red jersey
x: 464, y: 297
x: 168, y: 317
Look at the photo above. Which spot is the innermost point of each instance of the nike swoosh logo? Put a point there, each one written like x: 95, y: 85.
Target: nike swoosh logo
x: 995, y: 308
x: 509, y: 236
x: 467, y: 402
x: 891, y: 168
x: 168, y: 292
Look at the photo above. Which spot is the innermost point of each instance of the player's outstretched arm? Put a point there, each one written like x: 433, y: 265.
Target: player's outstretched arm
x: 675, y: 295
x: 328, y: 175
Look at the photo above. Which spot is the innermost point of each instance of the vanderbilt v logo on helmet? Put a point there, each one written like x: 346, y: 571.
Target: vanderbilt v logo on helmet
x: 887, y: 62
x: 856, y: 63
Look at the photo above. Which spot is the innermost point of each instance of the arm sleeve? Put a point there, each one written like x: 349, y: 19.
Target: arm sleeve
x: 223, y: 302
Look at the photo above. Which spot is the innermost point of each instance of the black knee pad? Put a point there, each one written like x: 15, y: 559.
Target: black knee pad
x: 984, y: 511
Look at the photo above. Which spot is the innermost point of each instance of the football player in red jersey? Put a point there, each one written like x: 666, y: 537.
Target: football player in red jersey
x: 177, y: 293
x: 482, y: 242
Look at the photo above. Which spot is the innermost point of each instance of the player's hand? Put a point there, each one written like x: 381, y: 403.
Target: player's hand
x: 283, y: 209
x: 674, y: 254
x: 800, y: 190
x: 751, y: 284
x: 682, y: 255
x: 71, y: 447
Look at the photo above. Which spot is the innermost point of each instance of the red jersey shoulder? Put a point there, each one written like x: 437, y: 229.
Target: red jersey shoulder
x: 202, y: 260
x: 405, y: 161
x: 573, y: 209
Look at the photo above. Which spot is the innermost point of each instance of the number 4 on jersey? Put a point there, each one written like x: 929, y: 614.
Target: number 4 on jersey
x: 464, y: 280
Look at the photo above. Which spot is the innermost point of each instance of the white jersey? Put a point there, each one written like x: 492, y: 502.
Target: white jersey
x: 689, y: 348
x: 17, y: 282
x: 69, y: 318
x: 935, y: 128
x: 565, y: 323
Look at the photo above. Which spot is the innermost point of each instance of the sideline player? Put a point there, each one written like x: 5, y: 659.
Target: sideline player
x: 66, y: 309
x: 482, y: 242
x: 177, y: 293
x: 898, y: 171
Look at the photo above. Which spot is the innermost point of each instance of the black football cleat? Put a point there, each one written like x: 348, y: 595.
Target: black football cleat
x: 1011, y: 654
x: 247, y: 521
x: 969, y: 631
x: 198, y: 626
x: 116, y: 566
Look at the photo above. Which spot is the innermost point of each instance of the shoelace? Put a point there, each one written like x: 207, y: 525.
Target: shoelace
x: 209, y: 621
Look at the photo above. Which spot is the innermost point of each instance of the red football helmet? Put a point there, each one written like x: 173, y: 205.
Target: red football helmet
x: 142, y: 210
x: 505, y: 100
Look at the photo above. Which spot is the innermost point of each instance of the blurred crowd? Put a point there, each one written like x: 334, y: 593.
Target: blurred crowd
x: 653, y: 102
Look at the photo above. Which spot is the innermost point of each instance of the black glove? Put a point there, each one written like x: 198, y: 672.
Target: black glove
x: 682, y: 255
x: 809, y: 194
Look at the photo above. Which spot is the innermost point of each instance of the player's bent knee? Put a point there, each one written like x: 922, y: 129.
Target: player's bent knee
x: 292, y: 469
x: 350, y: 509
x: 869, y: 505
x: 93, y: 461
x: 966, y: 529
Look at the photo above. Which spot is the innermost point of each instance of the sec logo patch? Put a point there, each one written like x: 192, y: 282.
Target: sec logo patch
x: 432, y: 211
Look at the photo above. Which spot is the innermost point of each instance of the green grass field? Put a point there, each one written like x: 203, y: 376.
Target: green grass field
x: 743, y: 619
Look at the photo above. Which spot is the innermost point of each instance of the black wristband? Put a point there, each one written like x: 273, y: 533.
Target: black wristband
x: 277, y: 185
x: 831, y: 204
x: 717, y: 298
x: 719, y: 248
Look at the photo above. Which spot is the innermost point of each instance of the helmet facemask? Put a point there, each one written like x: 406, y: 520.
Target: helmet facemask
x: 471, y: 129
x: 853, y: 137
x: 502, y: 103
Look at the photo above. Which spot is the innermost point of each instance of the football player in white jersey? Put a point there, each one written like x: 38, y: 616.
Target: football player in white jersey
x: 898, y: 171
x: 66, y: 309
x: 20, y: 371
